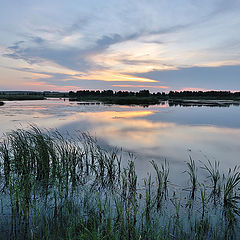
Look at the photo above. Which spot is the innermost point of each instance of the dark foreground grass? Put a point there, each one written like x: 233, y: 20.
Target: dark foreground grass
x: 59, y: 187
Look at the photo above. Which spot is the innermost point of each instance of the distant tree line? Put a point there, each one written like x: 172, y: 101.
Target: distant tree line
x: 146, y: 93
x: 33, y: 93
x: 201, y: 94
x: 111, y: 93
x: 20, y: 93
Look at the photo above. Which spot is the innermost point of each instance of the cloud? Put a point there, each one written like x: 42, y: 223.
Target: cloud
x: 71, y: 81
x: 38, y: 40
x: 140, y: 86
x: 120, y: 41
x: 218, y: 78
x: 70, y: 57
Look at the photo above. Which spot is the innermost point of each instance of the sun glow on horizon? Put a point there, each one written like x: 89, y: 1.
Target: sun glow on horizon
x: 140, y: 86
x: 108, y: 76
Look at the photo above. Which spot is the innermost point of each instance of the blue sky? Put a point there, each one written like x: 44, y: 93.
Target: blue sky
x: 159, y: 45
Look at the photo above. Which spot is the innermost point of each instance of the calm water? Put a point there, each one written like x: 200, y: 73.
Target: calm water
x: 156, y: 132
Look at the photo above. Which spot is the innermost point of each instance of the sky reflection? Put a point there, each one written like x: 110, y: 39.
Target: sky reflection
x: 153, y: 133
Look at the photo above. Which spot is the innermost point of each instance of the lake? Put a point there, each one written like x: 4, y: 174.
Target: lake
x: 156, y: 132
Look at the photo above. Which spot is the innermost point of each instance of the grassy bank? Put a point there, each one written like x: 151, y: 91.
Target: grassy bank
x: 62, y: 187
x: 20, y: 97
x: 145, y: 101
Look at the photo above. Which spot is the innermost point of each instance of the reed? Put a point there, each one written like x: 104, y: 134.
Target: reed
x: 63, y: 187
x: 214, y: 176
x: 160, y: 184
x: 231, y: 197
x: 192, y: 172
x: 148, y: 204
x: 203, y: 198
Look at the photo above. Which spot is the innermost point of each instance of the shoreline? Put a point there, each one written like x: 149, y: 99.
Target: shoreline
x: 141, y: 101
x: 156, y: 101
x: 20, y: 97
x: 203, y: 102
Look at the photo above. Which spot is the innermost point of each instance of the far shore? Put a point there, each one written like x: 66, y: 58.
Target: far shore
x: 154, y: 101
x: 141, y: 98
x: 141, y: 101
x: 21, y: 97
x: 203, y: 102
x: 121, y: 100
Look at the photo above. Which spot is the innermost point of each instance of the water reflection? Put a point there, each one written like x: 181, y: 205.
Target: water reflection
x: 203, y: 103
x: 162, y: 139
x: 156, y: 133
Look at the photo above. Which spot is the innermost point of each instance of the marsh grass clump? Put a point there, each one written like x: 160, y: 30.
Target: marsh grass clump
x: 231, y: 197
x: 192, y: 172
x: 161, y: 181
x: 56, y: 186
x: 214, y: 176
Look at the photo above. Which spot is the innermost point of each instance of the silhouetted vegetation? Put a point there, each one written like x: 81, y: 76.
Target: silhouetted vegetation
x: 145, y: 97
x: 21, y: 97
x: 202, y: 102
x: 131, y: 100
x: 141, y: 93
x: 163, y: 95
x: 1, y: 103
x: 30, y: 95
x: 62, y: 187
x: 203, y: 95
x: 18, y: 96
x: 110, y: 93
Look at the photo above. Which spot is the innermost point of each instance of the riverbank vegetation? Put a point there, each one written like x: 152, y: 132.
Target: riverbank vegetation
x: 1, y: 103
x: 200, y: 103
x: 61, y: 187
x: 183, y: 98
x: 210, y: 95
x: 30, y: 95
x: 20, y: 97
x: 143, y: 101
x: 143, y: 97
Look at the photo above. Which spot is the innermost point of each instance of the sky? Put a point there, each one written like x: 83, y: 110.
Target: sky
x: 160, y: 45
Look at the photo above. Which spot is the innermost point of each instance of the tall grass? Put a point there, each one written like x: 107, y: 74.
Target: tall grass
x: 214, y: 176
x: 231, y: 196
x: 192, y: 172
x: 63, y: 187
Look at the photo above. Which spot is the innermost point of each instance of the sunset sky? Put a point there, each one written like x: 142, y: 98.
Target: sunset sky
x: 160, y: 45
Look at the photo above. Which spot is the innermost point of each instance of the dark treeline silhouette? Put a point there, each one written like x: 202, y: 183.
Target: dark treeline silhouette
x: 163, y: 95
x: 143, y: 97
x: 201, y: 94
x: 27, y: 93
x: 111, y: 93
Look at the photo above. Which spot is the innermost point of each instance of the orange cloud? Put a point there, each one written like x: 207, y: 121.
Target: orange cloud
x: 36, y: 76
x: 44, y: 86
x: 140, y: 86
x: 108, y: 76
